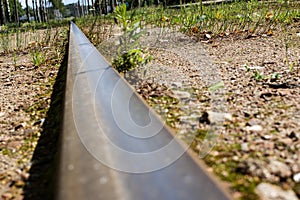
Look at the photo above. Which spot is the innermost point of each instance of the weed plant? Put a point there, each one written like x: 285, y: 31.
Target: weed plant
x: 243, y: 18
x: 37, y: 57
x: 130, y: 54
x: 15, y: 59
x: 20, y: 38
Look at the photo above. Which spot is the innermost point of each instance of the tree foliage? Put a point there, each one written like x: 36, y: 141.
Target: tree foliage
x: 8, y: 10
x: 19, y: 8
x: 58, y: 4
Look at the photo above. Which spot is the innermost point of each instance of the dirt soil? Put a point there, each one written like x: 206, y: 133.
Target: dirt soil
x: 234, y: 99
x: 261, y: 143
x: 26, y: 87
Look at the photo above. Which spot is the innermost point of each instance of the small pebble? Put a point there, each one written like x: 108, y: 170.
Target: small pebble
x: 255, y: 128
x: 296, y: 177
x: 268, y: 191
x: 181, y: 94
x: 19, y: 183
x: 2, y: 114
x: 267, y: 137
x: 244, y: 147
x: 7, y: 196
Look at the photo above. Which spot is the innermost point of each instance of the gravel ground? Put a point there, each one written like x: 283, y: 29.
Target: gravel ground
x: 26, y: 89
x: 232, y: 98
x: 265, y: 125
x: 19, y: 86
x: 235, y: 101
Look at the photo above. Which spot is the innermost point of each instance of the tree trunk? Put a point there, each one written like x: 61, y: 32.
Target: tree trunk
x: 112, y: 5
x: 105, y: 7
x: 85, y: 7
x: 88, y: 7
x: 33, y: 8
x: 2, y: 13
x: 82, y: 8
x: 38, y: 17
x: 16, y: 12
x: 79, y: 9
x: 93, y: 7
x: 42, y: 13
x: 100, y: 7
x: 27, y: 11
x: 45, y: 10
x: 7, y: 11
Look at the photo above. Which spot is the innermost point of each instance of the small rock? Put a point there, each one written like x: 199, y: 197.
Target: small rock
x: 252, y: 122
x: 210, y: 117
x: 244, y: 147
x: 2, y: 114
x: 176, y: 84
x: 255, y: 128
x: 19, y: 183
x: 14, y: 144
x: 252, y: 147
x: 296, y: 177
x: 267, y: 137
x: 256, y: 67
x: 208, y: 36
x: 280, y: 169
x: 287, y: 141
x: 181, y: 94
x: 7, y: 195
x: 268, y: 191
x: 24, y: 176
x: 237, y: 195
x: 235, y: 158
x: 295, y: 167
x: 210, y: 169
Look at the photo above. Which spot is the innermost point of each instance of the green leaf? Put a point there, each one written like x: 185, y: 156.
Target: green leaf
x: 216, y: 86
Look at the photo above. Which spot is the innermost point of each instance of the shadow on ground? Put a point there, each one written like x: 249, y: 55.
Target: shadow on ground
x: 41, y: 182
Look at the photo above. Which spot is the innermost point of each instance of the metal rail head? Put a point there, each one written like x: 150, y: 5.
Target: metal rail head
x: 113, y: 146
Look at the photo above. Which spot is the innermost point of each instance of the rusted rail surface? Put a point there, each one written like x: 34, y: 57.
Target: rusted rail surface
x: 113, y: 146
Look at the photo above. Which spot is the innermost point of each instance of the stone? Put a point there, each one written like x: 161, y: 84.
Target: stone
x: 295, y: 167
x: 256, y: 67
x: 267, y: 137
x: 2, y: 114
x: 210, y: 117
x: 19, y: 183
x: 252, y: 122
x: 279, y: 168
x: 7, y: 195
x: 296, y: 177
x: 254, y: 128
x: 181, y: 94
x: 287, y: 141
x: 267, y: 191
x: 14, y: 144
x: 176, y: 84
x: 244, y: 147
